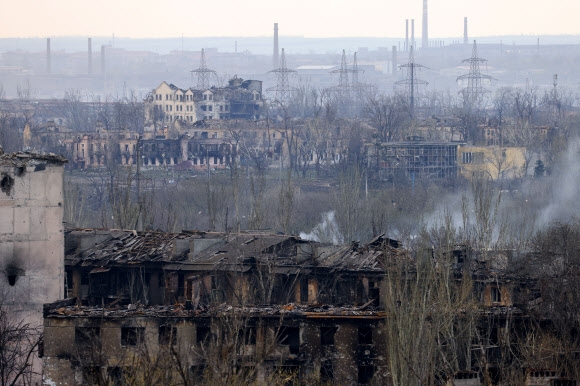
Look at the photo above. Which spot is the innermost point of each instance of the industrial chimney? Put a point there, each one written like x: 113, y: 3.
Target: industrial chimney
x: 425, y: 31
x: 406, y: 35
x: 275, y: 57
x: 48, y: 64
x: 103, y: 62
x: 394, y: 59
x: 465, y: 39
x: 413, y: 33
x: 90, y: 56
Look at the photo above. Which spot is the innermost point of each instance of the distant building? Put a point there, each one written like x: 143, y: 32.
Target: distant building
x: 495, y: 162
x: 414, y: 159
x: 166, y: 104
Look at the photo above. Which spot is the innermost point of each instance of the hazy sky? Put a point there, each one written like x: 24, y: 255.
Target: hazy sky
x: 309, y: 18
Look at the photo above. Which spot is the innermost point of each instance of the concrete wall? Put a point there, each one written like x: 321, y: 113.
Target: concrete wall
x: 31, y: 235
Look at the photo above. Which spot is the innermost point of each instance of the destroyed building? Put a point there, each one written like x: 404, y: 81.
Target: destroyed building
x: 285, y: 292
x: 167, y: 104
x: 259, y: 305
x: 413, y: 159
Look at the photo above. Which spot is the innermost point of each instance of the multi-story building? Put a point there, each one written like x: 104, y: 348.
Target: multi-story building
x: 194, y: 306
x: 167, y: 104
x: 413, y: 159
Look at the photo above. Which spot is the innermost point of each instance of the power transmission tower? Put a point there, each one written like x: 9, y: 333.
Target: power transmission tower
x: 343, y: 87
x: 282, y: 89
x: 474, y: 92
x: 203, y: 73
x: 349, y: 91
x: 412, y: 82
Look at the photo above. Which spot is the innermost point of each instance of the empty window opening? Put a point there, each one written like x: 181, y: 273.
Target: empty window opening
x: 167, y: 333
x: 86, y: 336
x: 365, y: 335
x: 132, y: 336
x: 365, y: 374
x: 115, y: 375
x: 197, y: 371
x: 326, y: 371
x: 327, y: 335
x: 290, y: 336
x: 304, y: 290
x: 495, y: 295
x: 247, y: 336
x: 91, y: 375
x: 202, y: 334
x: 374, y: 293
x: 6, y: 184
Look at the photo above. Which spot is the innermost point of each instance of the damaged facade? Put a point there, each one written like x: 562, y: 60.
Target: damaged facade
x: 262, y: 306
x: 167, y: 104
x: 413, y: 159
x: 297, y: 306
x: 31, y: 240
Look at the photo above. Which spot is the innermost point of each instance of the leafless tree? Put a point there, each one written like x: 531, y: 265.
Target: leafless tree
x: 502, y: 102
x: 387, y: 114
x: 19, y: 344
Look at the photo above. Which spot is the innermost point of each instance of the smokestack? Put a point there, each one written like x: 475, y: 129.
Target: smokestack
x: 275, y: 57
x: 425, y: 30
x: 406, y: 35
x: 413, y: 33
x: 90, y: 56
x: 48, y: 64
x: 103, y: 48
x: 465, y: 39
x: 394, y: 59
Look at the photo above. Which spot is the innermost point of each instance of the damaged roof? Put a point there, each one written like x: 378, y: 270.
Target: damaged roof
x: 195, y: 251
x: 30, y: 158
x: 58, y: 310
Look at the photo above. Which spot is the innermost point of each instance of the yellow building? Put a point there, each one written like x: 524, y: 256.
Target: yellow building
x: 496, y: 162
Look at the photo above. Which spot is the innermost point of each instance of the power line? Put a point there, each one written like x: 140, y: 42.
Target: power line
x: 283, y: 89
x: 474, y: 92
x: 412, y: 82
x: 203, y: 73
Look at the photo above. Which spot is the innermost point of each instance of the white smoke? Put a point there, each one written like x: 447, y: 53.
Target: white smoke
x: 565, y: 189
x: 325, y: 231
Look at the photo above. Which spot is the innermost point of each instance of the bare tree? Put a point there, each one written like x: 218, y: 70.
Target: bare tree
x: 19, y: 344
x: 502, y: 104
x: 387, y: 114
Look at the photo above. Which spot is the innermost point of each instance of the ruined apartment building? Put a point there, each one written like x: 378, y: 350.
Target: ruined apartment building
x: 31, y: 235
x: 270, y: 304
x: 277, y: 303
x: 240, y: 99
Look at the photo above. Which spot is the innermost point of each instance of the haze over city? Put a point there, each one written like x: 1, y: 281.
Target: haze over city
x: 290, y: 193
x: 321, y: 18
